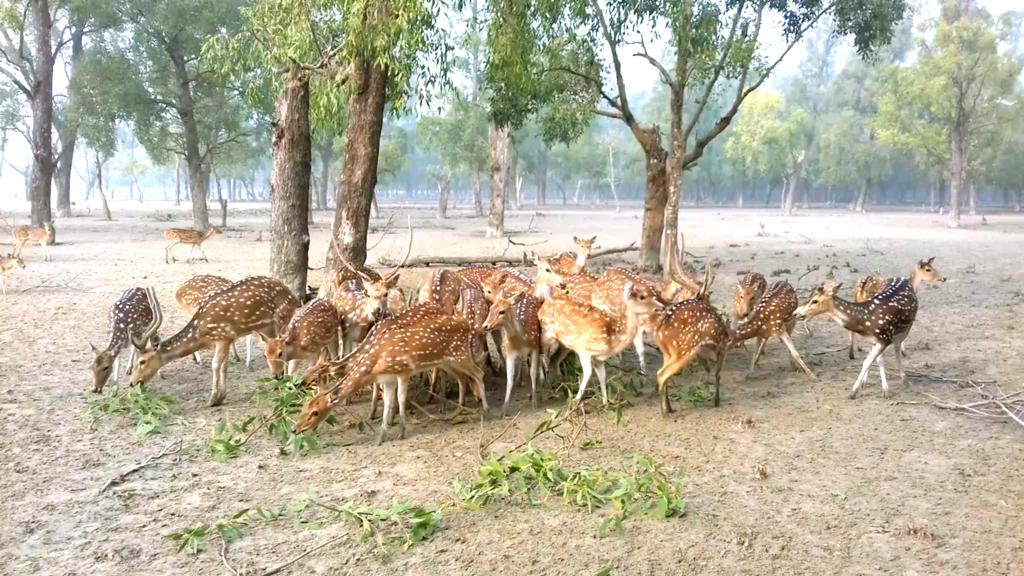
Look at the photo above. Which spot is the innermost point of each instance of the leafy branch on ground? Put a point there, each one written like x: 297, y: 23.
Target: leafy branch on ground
x: 149, y: 412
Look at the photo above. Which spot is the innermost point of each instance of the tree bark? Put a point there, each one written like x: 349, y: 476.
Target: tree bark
x: 478, y: 207
x: 956, y: 173
x: 500, y: 151
x: 198, y: 171
x: 444, y: 183
x: 42, y: 114
x: 67, y: 132
x: 655, y: 200
x: 611, y: 176
x: 325, y: 176
x: 362, y: 151
x: 290, y: 181
x: 99, y: 184
x: 792, y: 183
x: 542, y: 177
x: 177, y: 182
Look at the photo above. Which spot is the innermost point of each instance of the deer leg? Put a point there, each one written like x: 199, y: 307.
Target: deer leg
x: 588, y: 368
x: 757, y: 354
x: 807, y: 327
x: 192, y: 248
x: 899, y: 361
x: 46, y: 253
x: 851, y: 347
x: 389, y: 387
x: 788, y: 341
x: 881, y: 374
x: 374, y: 391
x: 248, y: 352
x: 203, y: 252
x: 534, y: 365
x: 875, y: 351
x: 718, y: 373
x: 670, y: 368
x: 403, y: 393
x: 602, y: 378
x: 903, y: 349
x: 3, y: 288
x: 510, y: 378
x: 219, y: 369
x: 131, y: 360
x: 117, y: 364
x: 234, y: 352
x: 638, y: 345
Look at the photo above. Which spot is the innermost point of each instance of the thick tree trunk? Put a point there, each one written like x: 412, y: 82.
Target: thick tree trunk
x: 500, y: 152
x: 290, y: 180
x: 655, y: 199
x: 198, y: 171
x: 42, y: 114
x: 362, y: 150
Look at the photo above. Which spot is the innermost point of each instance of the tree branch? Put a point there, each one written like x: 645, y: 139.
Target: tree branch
x: 665, y: 76
x: 715, y: 75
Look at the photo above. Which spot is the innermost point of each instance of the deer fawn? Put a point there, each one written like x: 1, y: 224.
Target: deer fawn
x: 516, y: 315
x: 129, y: 319
x: 27, y: 234
x: 574, y: 262
x: 256, y: 304
x: 8, y: 263
x: 772, y: 316
x: 391, y: 356
x: 312, y: 335
x: 192, y: 293
x: 885, y: 319
x: 688, y: 330
x: 190, y: 236
x: 595, y: 335
x: 747, y: 293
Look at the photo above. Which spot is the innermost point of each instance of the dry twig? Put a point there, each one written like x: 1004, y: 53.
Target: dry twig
x: 277, y: 569
x: 176, y: 444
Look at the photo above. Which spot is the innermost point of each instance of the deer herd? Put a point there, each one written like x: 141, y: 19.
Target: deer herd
x: 361, y: 333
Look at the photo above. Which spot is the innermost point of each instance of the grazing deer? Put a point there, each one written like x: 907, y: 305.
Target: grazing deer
x: 772, y: 316
x: 129, y: 318
x: 190, y: 236
x: 574, y: 262
x: 687, y: 330
x: 747, y: 293
x: 516, y: 315
x: 256, y: 304
x: 885, y: 319
x: 593, y: 334
x: 28, y: 234
x: 192, y: 293
x: 391, y: 356
x: 312, y: 335
x: 8, y: 263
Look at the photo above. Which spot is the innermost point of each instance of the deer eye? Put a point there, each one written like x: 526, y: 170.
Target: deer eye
x: 927, y: 269
x: 815, y: 301
x: 142, y: 362
x: 314, y: 413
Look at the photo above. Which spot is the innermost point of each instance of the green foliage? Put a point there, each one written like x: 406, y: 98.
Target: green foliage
x: 459, y: 138
x: 767, y: 137
x: 402, y: 525
x: 226, y: 442
x: 531, y: 476
x: 149, y: 412
x: 694, y: 395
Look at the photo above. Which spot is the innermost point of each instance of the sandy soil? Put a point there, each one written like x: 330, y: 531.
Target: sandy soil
x: 851, y: 485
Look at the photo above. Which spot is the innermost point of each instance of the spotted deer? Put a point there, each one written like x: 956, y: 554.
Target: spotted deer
x: 192, y: 293
x: 9, y: 263
x: 390, y: 357
x: 43, y: 237
x: 312, y: 335
x: 487, y: 276
x: 747, y: 293
x: 593, y: 334
x: 688, y: 330
x: 772, y: 316
x: 189, y: 236
x: 574, y: 262
x: 256, y: 304
x: 516, y: 314
x: 885, y: 319
x: 128, y: 320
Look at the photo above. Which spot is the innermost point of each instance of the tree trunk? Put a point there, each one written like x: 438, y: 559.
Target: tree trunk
x: 67, y: 132
x: 542, y: 177
x: 362, y: 150
x: 444, y: 183
x: 739, y: 197
x: 611, y: 176
x: 198, y: 171
x: 290, y: 181
x: 325, y: 177
x: 956, y: 172
x: 972, y: 196
x: 792, y: 183
x: 655, y: 200
x: 861, y: 199
x: 177, y: 182
x: 99, y: 184
x: 500, y: 152
x: 42, y: 114
x: 478, y: 207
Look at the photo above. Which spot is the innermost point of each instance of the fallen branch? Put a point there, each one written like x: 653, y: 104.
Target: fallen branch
x: 941, y: 378
x: 45, y: 284
x: 176, y: 444
x: 224, y: 557
x: 424, y: 261
x: 277, y: 569
x: 1001, y: 406
x: 483, y: 447
x: 810, y: 269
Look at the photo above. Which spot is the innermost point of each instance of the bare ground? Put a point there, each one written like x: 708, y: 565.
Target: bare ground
x: 854, y: 487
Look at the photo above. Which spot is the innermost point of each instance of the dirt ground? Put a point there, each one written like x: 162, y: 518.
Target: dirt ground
x: 865, y: 486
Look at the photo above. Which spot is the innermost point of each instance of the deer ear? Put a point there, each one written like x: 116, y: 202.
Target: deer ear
x: 627, y: 291
x: 577, y: 240
x: 392, y: 281
x: 95, y: 350
x: 593, y: 239
x: 930, y: 260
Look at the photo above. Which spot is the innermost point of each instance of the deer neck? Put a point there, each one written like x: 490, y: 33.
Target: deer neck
x: 581, y: 259
x: 852, y: 316
x: 916, y: 279
x: 185, y: 342
x: 117, y: 341
x: 747, y: 329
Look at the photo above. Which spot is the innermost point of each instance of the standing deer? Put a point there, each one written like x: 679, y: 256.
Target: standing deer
x: 885, y: 319
x: 687, y: 330
x: 312, y: 335
x: 865, y: 289
x: 190, y: 236
x: 391, y: 356
x: 574, y: 262
x: 192, y: 293
x: 772, y: 316
x: 516, y: 315
x: 129, y: 319
x: 27, y: 234
x: 8, y: 263
x: 256, y: 304
x: 747, y: 293
x: 593, y: 334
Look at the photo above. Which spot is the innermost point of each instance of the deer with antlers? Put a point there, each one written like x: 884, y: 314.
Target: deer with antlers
x: 9, y: 263
x: 772, y: 316
x: 573, y: 262
x: 128, y: 320
x: 188, y: 236
x: 593, y: 334
x: 687, y: 330
x: 312, y: 335
x: 885, y: 319
x: 390, y: 355
x: 44, y: 237
x: 256, y: 304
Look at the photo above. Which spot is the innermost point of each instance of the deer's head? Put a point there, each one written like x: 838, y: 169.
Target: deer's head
x: 315, y: 411
x: 585, y: 245
x: 820, y: 301
x: 926, y: 272
x: 102, y: 366
x: 503, y: 305
x: 276, y: 352
x: 746, y: 293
